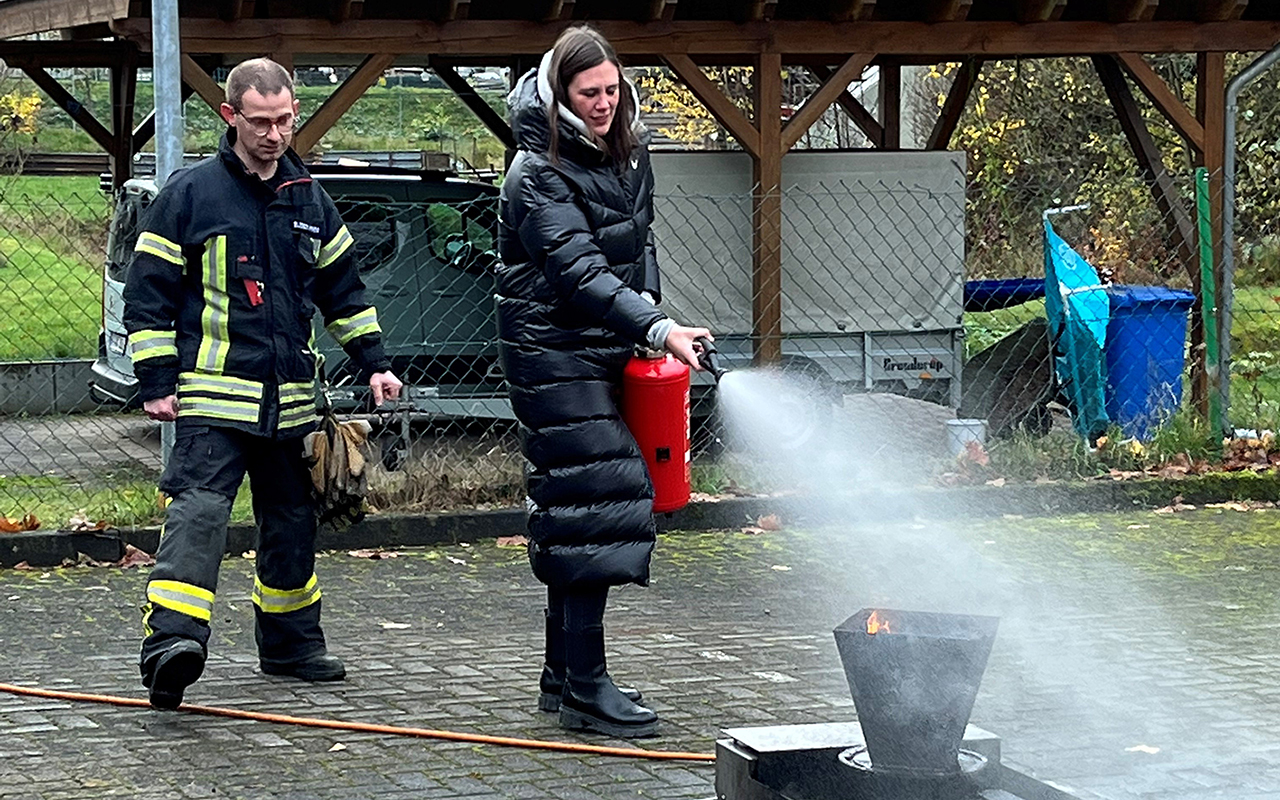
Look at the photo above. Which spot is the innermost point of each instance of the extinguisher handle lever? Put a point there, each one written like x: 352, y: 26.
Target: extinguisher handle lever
x: 709, y: 358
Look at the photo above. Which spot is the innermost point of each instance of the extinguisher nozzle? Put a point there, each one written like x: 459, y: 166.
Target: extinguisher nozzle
x: 710, y: 359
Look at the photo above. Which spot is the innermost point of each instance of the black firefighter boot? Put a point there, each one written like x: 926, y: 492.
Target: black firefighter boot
x: 551, y: 684
x: 591, y: 702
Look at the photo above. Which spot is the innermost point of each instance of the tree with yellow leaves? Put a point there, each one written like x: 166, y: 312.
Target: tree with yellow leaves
x: 18, y: 113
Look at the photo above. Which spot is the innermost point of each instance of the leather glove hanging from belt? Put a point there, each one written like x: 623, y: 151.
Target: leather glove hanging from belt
x: 339, y: 477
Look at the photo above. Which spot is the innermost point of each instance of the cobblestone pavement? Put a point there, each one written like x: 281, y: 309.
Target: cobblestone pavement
x: 1137, y: 658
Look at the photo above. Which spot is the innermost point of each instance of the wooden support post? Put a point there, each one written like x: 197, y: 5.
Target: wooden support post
x: 210, y: 92
x: 1211, y: 111
x: 891, y: 105
x: 491, y: 119
x: 1179, y: 231
x: 953, y: 106
x: 766, y: 217
x: 124, y: 86
x: 818, y: 103
x: 343, y: 97
x: 72, y: 106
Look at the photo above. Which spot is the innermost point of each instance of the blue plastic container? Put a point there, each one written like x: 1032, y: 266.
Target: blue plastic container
x: 1146, y: 354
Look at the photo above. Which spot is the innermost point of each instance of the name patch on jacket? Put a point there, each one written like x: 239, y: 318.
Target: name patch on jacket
x: 299, y: 225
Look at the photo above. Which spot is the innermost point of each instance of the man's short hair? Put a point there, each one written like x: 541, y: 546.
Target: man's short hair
x: 262, y: 74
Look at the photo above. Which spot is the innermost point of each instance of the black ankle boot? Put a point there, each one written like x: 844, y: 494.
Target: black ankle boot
x: 551, y: 682
x: 591, y: 701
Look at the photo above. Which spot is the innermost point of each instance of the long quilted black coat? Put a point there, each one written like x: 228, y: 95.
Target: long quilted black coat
x: 576, y: 251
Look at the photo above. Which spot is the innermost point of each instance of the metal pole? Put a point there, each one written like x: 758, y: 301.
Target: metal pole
x: 166, y: 85
x: 1248, y: 75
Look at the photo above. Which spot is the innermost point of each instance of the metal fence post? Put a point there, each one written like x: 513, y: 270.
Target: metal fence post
x: 166, y: 83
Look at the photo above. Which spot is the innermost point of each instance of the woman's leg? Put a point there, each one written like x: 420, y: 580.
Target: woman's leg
x: 591, y: 702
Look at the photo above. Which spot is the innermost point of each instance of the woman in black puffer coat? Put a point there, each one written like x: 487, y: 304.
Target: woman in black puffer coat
x: 577, y: 289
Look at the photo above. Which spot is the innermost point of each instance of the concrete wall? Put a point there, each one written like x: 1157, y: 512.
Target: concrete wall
x: 46, y: 387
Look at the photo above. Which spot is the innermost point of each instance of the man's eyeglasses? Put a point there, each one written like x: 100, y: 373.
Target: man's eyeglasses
x: 262, y: 126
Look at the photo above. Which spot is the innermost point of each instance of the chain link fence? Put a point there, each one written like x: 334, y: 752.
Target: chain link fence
x: 913, y: 293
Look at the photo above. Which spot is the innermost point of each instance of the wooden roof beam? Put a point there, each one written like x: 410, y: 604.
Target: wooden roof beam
x: 662, y: 10
x: 1132, y: 10
x: 343, y: 10
x: 343, y: 97
x: 792, y: 38
x: 946, y: 10
x: 46, y: 53
x: 715, y: 101
x: 22, y: 19
x: 458, y: 9
x: 1039, y: 10
x: 210, y: 92
x: 864, y: 119
x: 558, y: 10
x: 953, y: 106
x: 491, y: 119
x: 761, y: 10
x: 850, y: 10
x: 1220, y: 10
x: 74, y: 108
x: 1163, y: 98
x: 835, y: 85
x: 233, y: 10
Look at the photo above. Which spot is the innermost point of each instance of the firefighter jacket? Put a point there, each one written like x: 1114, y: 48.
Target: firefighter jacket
x: 227, y: 275
x: 577, y: 251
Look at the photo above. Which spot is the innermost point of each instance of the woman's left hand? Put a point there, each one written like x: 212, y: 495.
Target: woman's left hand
x: 680, y: 343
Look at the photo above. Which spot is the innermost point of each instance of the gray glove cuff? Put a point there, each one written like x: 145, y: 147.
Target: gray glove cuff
x: 658, y: 332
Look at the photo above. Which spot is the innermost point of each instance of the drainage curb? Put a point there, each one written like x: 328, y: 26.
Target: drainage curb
x: 51, y: 548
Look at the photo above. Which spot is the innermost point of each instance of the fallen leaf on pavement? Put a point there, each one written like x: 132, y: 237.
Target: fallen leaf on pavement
x: 997, y: 482
x: 374, y: 554
x: 80, y: 522
x: 394, y: 626
x: 339, y: 747
x: 23, y: 565
x: 135, y: 557
x: 512, y: 541
x: 27, y: 523
x: 752, y: 530
x: 770, y: 522
x: 1143, y: 748
x: 781, y: 568
x: 456, y: 560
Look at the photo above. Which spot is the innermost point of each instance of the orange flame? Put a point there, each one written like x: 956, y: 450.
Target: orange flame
x: 875, y: 624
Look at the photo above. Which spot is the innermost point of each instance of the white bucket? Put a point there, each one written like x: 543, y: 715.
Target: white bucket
x: 962, y: 431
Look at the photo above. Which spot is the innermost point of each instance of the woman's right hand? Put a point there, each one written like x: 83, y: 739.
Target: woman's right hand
x: 680, y: 343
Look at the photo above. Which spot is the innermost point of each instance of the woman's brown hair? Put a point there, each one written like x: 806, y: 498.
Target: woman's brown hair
x: 578, y: 49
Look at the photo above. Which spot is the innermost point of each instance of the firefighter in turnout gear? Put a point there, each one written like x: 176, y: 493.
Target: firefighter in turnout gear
x: 236, y: 255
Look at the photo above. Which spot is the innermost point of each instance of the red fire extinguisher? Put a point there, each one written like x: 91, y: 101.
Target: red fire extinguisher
x: 655, y: 406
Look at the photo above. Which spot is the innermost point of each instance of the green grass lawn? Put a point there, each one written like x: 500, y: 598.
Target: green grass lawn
x: 127, y: 504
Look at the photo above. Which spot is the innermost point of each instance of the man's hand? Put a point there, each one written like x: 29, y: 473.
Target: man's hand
x: 385, y: 386
x: 164, y: 409
x: 680, y: 344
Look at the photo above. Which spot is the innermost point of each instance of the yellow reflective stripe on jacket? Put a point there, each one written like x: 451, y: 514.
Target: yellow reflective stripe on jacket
x: 335, y: 247
x: 185, y: 598
x: 232, y: 410
x: 293, y: 417
x: 348, y: 328
x: 152, y: 344
x: 297, y: 392
x: 228, y: 387
x: 282, y: 601
x: 159, y: 247
x: 212, y: 356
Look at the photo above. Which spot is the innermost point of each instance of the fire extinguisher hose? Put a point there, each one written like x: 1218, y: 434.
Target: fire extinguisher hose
x: 365, y: 727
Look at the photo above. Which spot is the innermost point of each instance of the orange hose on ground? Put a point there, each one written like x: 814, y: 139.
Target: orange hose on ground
x: 367, y: 727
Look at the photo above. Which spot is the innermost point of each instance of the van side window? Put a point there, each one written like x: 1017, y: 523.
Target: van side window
x: 124, y: 233
x: 372, y: 223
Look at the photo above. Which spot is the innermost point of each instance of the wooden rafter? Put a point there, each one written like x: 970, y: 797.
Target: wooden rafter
x: 710, y: 95
x: 72, y: 106
x: 861, y: 117
x: 709, y: 38
x: 890, y: 102
x: 492, y: 120
x: 146, y: 129
x: 1163, y: 98
x: 1039, y: 10
x: 849, y: 10
x: 1132, y: 10
x: 23, y: 19
x: 946, y: 10
x: 343, y: 97
x: 343, y: 10
x: 1220, y: 10
x: 233, y: 10
x: 957, y: 97
x: 832, y: 87
x: 558, y: 10
x: 1180, y: 231
x: 54, y: 54
x: 662, y: 10
x: 210, y: 92
x: 761, y: 10
x: 457, y: 9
